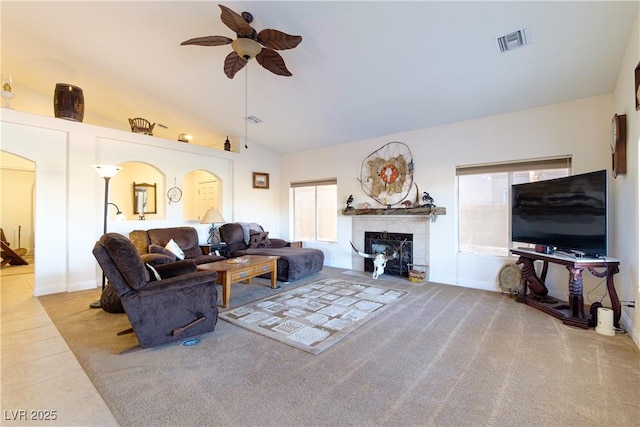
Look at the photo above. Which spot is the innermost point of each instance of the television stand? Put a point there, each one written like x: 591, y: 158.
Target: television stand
x: 571, y: 312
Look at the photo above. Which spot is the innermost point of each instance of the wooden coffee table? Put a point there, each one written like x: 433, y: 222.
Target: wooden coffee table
x: 229, y: 272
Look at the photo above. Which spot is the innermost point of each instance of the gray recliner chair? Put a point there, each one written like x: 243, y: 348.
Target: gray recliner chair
x: 175, y: 307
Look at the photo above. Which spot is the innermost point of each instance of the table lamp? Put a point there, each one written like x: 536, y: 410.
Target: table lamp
x: 212, y: 216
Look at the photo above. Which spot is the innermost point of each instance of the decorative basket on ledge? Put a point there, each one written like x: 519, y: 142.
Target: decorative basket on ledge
x: 417, y: 272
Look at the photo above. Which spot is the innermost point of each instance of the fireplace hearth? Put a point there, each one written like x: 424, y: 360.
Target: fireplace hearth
x: 376, y: 242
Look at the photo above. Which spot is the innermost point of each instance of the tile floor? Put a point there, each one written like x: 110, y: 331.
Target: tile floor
x: 41, y: 377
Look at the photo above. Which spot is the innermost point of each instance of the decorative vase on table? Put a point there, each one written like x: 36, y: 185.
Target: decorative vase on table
x: 68, y: 102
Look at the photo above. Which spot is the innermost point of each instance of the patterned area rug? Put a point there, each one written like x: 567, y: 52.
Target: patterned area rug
x: 315, y: 316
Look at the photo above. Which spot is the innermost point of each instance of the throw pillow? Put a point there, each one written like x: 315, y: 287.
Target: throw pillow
x: 259, y: 239
x: 153, y: 273
x: 157, y: 249
x: 175, y: 249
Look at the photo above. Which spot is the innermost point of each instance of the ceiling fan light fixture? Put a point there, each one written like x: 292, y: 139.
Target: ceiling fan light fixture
x: 246, y: 48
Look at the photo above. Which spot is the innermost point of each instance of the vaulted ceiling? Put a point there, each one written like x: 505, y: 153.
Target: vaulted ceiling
x: 364, y: 68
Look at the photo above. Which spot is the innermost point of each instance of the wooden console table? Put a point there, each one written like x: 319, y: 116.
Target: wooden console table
x: 573, y: 312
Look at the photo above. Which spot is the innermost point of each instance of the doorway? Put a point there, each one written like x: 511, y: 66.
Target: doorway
x: 17, y: 204
x: 202, y: 190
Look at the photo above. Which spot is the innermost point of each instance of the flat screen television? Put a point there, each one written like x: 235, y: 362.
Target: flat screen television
x: 568, y: 214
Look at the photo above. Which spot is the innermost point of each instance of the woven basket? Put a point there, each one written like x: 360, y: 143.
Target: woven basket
x: 417, y: 272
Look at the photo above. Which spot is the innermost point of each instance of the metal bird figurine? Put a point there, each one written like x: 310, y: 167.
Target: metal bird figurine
x: 428, y: 201
x: 349, y: 202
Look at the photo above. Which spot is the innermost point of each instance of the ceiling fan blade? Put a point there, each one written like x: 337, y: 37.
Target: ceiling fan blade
x: 233, y: 63
x: 278, y: 40
x: 208, y: 41
x: 235, y: 22
x: 272, y: 61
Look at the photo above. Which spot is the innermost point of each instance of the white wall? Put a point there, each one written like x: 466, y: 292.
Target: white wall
x: 70, y: 194
x: 624, y: 206
x: 578, y: 128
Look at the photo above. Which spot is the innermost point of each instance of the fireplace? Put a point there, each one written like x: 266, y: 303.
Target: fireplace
x: 417, y: 226
x: 376, y: 242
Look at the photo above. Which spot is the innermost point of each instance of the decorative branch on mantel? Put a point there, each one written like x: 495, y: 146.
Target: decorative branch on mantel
x: 396, y: 211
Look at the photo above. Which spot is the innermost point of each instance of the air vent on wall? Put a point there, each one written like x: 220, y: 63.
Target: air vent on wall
x: 512, y: 40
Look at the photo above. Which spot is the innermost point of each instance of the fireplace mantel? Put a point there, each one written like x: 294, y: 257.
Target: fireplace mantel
x: 396, y: 211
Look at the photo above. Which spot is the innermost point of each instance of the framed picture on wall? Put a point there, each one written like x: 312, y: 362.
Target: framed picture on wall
x: 260, y: 180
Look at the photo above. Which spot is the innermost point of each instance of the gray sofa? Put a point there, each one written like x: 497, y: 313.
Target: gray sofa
x: 251, y: 239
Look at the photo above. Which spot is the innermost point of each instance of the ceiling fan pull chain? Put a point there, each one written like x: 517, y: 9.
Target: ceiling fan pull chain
x: 246, y: 97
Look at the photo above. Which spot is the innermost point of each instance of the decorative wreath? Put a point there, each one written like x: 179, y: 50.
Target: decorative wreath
x: 387, y: 173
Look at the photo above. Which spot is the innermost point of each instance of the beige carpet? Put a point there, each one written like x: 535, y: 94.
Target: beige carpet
x: 443, y: 355
x: 316, y: 316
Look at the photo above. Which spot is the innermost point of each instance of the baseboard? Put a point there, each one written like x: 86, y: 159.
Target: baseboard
x: 82, y: 286
x: 474, y: 284
x: 626, y: 322
x: 61, y: 287
x: 49, y: 289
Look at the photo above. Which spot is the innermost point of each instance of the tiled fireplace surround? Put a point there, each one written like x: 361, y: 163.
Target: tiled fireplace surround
x: 412, y: 224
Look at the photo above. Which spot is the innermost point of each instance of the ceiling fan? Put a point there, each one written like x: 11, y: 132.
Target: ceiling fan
x: 249, y: 44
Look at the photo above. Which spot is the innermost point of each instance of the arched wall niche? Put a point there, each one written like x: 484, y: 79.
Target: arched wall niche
x: 17, y: 201
x: 202, y: 190
x: 121, y: 190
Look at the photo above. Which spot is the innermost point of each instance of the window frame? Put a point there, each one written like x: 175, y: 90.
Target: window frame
x: 511, y: 167
x: 315, y: 184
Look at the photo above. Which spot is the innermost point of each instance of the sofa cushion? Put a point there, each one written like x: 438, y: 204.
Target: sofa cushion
x: 130, y: 267
x: 140, y: 240
x: 278, y: 243
x: 173, y: 247
x: 259, y: 239
x: 153, y: 273
x: 157, y: 259
x: 157, y: 249
x: 247, y: 227
x: 233, y: 235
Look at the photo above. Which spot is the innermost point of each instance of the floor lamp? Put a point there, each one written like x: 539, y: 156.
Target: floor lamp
x: 107, y: 172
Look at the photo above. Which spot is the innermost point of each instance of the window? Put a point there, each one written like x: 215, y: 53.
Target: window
x: 315, y: 210
x: 484, y: 201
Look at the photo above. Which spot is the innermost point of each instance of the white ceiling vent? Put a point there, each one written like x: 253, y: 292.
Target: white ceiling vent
x: 512, y: 40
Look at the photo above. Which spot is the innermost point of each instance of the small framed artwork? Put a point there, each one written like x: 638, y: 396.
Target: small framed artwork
x: 260, y: 180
